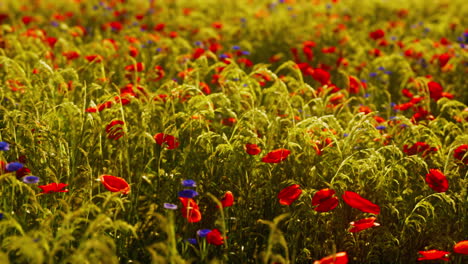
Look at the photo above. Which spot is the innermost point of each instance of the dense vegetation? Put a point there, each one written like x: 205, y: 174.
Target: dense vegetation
x: 212, y: 131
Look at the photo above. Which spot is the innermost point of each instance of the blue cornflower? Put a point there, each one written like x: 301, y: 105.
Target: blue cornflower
x: 192, y: 241
x: 14, y: 166
x: 170, y: 206
x: 380, y: 127
x: 189, y: 183
x: 198, y: 43
x: 366, y: 95
x: 203, y: 232
x: 403, y: 125
x: 188, y: 193
x: 54, y: 23
x: 1, y: 216
x: 235, y: 47
x: 372, y: 74
x: 4, y: 146
x: 245, y: 52
x: 381, y: 68
x: 388, y: 72
x: 345, y: 134
x: 31, y: 179
x: 223, y: 56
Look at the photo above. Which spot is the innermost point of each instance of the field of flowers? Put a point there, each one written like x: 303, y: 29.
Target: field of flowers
x: 233, y: 131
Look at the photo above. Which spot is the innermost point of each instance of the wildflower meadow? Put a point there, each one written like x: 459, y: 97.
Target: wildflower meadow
x: 233, y: 131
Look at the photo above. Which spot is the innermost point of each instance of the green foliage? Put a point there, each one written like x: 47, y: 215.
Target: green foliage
x: 54, y: 113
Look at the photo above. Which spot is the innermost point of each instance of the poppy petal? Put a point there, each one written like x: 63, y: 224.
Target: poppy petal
x: 338, y: 258
x: 115, y: 184
x: 289, y: 194
x: 356, y: 201
x: 461, y: 247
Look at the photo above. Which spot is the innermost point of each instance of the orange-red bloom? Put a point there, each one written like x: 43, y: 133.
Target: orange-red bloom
x: 434, y: 255
x: 461, y: 247
x: 53, y: 187
x: 228, y: 199
x: 419, y: 147
x: 338, y: 258
x: 363, y: 224
x: 437, y: 180
x: 115, y: 129
x: 461, y: 153
x: 190, y: 210
x: 252, y: 149
x: 325, y: 200
x: 289, y: 194
x: 138, y: 67
x: 115, y: 184
x: 379, y: 33
x: 214, y: 237
x: 356, y: 201
x: 169, y: 140
x: 276, y: 156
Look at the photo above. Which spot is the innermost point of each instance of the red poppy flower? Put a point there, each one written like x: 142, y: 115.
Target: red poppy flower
x: 321, y: 76
x: 171, y: 141
x: 435, y: 90
x: 71, y: 55
x: 115, y: 129
x: 51, y: 41
x: 252, y: 149
x: 228, y: 199
x: 437, y: 180
x: 190, y: 210
x: 133, y: 51
x: 94, y: 57
x: 419, y: 147
x: 356, y: 201
x: 354, y: 85
x: 156, y: 74
x: 363, y: 224
x: 325, y: 200
x: 434, y: 255
x: 307, y: 49
x: 2, y: 166
x: 461, y: 247
x: 443, y: 59
x: 115, y: 184
x: 338, y: 258
x: 289, y: 194
x: 214, y: 237
x: 230, y: 121
x: 53, y: 187
x: 276, y: 156
x: 138, y: 67
x: 379, y: 33
x: 461, y: 153
x: 22, y: 172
